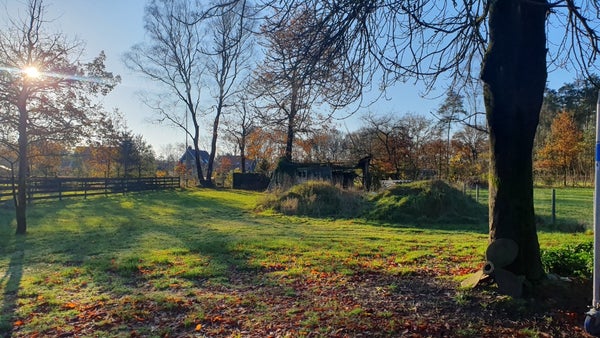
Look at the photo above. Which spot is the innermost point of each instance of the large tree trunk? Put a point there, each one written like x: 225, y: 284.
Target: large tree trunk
x: 514, y: 76
x: 21, y: 201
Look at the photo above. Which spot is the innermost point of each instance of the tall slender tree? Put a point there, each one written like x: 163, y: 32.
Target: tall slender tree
x: 239, y: 126
x: 172, y: 58
x: 450, y: 111
x: 228, y: 52
x: 192, y: 49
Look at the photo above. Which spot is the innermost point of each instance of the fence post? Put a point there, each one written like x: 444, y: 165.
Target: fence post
x: 59, y: 190
x: 553, y: 206
x: 29, y: 191
x: 477, y: 193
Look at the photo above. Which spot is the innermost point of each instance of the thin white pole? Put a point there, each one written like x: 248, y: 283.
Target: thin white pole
x: 596, y: 292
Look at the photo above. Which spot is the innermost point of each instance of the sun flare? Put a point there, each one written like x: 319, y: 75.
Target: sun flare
x: 32, y: 72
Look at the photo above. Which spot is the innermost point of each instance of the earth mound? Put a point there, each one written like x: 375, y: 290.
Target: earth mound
x: 426, y: 202
x: 316, y: 199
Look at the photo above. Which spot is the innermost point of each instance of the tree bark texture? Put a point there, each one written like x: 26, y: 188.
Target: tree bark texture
x: 197, y: 159
x: 215, y: 136
x: 514, y: 75
x: 292, y: 124
x: 21, y: 201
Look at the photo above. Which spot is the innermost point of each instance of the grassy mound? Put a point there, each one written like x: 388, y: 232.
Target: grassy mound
x: 316, y: 199
x: 426, y: 202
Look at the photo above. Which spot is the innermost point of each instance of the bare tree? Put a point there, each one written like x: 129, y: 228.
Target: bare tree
x: 173, y: 59
x: 46, y: 91
x: 239, y: 126
x: 419, y: 130
x: 228, y: 60
x: 328, y: 144
x: 180, y: 58
x: 168, y: 158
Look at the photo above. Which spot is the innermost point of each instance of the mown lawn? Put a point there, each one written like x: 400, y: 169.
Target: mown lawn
x: 203, y: 263
x: 573, y: 206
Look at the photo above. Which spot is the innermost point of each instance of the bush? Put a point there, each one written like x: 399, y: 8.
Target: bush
x: 316, y: 199
x: 571, y: 260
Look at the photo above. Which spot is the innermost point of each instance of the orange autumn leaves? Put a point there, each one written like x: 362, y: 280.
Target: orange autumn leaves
x: 562, y: 147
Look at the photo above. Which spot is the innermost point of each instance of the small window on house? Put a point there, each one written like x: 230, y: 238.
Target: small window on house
x: 301, y: 173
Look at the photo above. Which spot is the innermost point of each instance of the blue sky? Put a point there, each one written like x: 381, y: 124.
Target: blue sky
x: 116, y: 25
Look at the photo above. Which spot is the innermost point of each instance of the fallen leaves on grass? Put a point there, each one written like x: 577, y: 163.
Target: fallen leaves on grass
x: 369, y: 302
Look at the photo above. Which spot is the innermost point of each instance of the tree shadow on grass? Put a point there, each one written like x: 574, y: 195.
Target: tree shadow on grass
x: 107, y: 243
x: 11, y: 281
x: 141, y: 222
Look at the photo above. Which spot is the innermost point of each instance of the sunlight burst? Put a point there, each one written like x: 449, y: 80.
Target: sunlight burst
x: 32, y: 72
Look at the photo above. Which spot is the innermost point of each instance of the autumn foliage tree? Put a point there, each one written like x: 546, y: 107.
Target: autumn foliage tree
x: 103, y: 149
x: 326, y: 144
x: 391, y: 141
x: 470, y: 153
x: 102, y: 160
x: 265, y: 145
x: 46, y: 158
x: 562, y: 146
x: 578, y: 98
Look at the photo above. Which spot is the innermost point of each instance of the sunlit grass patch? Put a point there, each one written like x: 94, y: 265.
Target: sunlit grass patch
x: 573, y: 207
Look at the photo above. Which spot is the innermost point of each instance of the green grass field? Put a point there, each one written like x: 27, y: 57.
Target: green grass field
x: 203, y: 262
x: 573, y: 206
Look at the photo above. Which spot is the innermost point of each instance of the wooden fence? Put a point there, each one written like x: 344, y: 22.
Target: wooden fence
x: 44, y: 188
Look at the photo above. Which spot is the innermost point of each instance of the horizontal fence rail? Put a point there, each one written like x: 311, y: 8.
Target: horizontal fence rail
x: 47, y: 188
